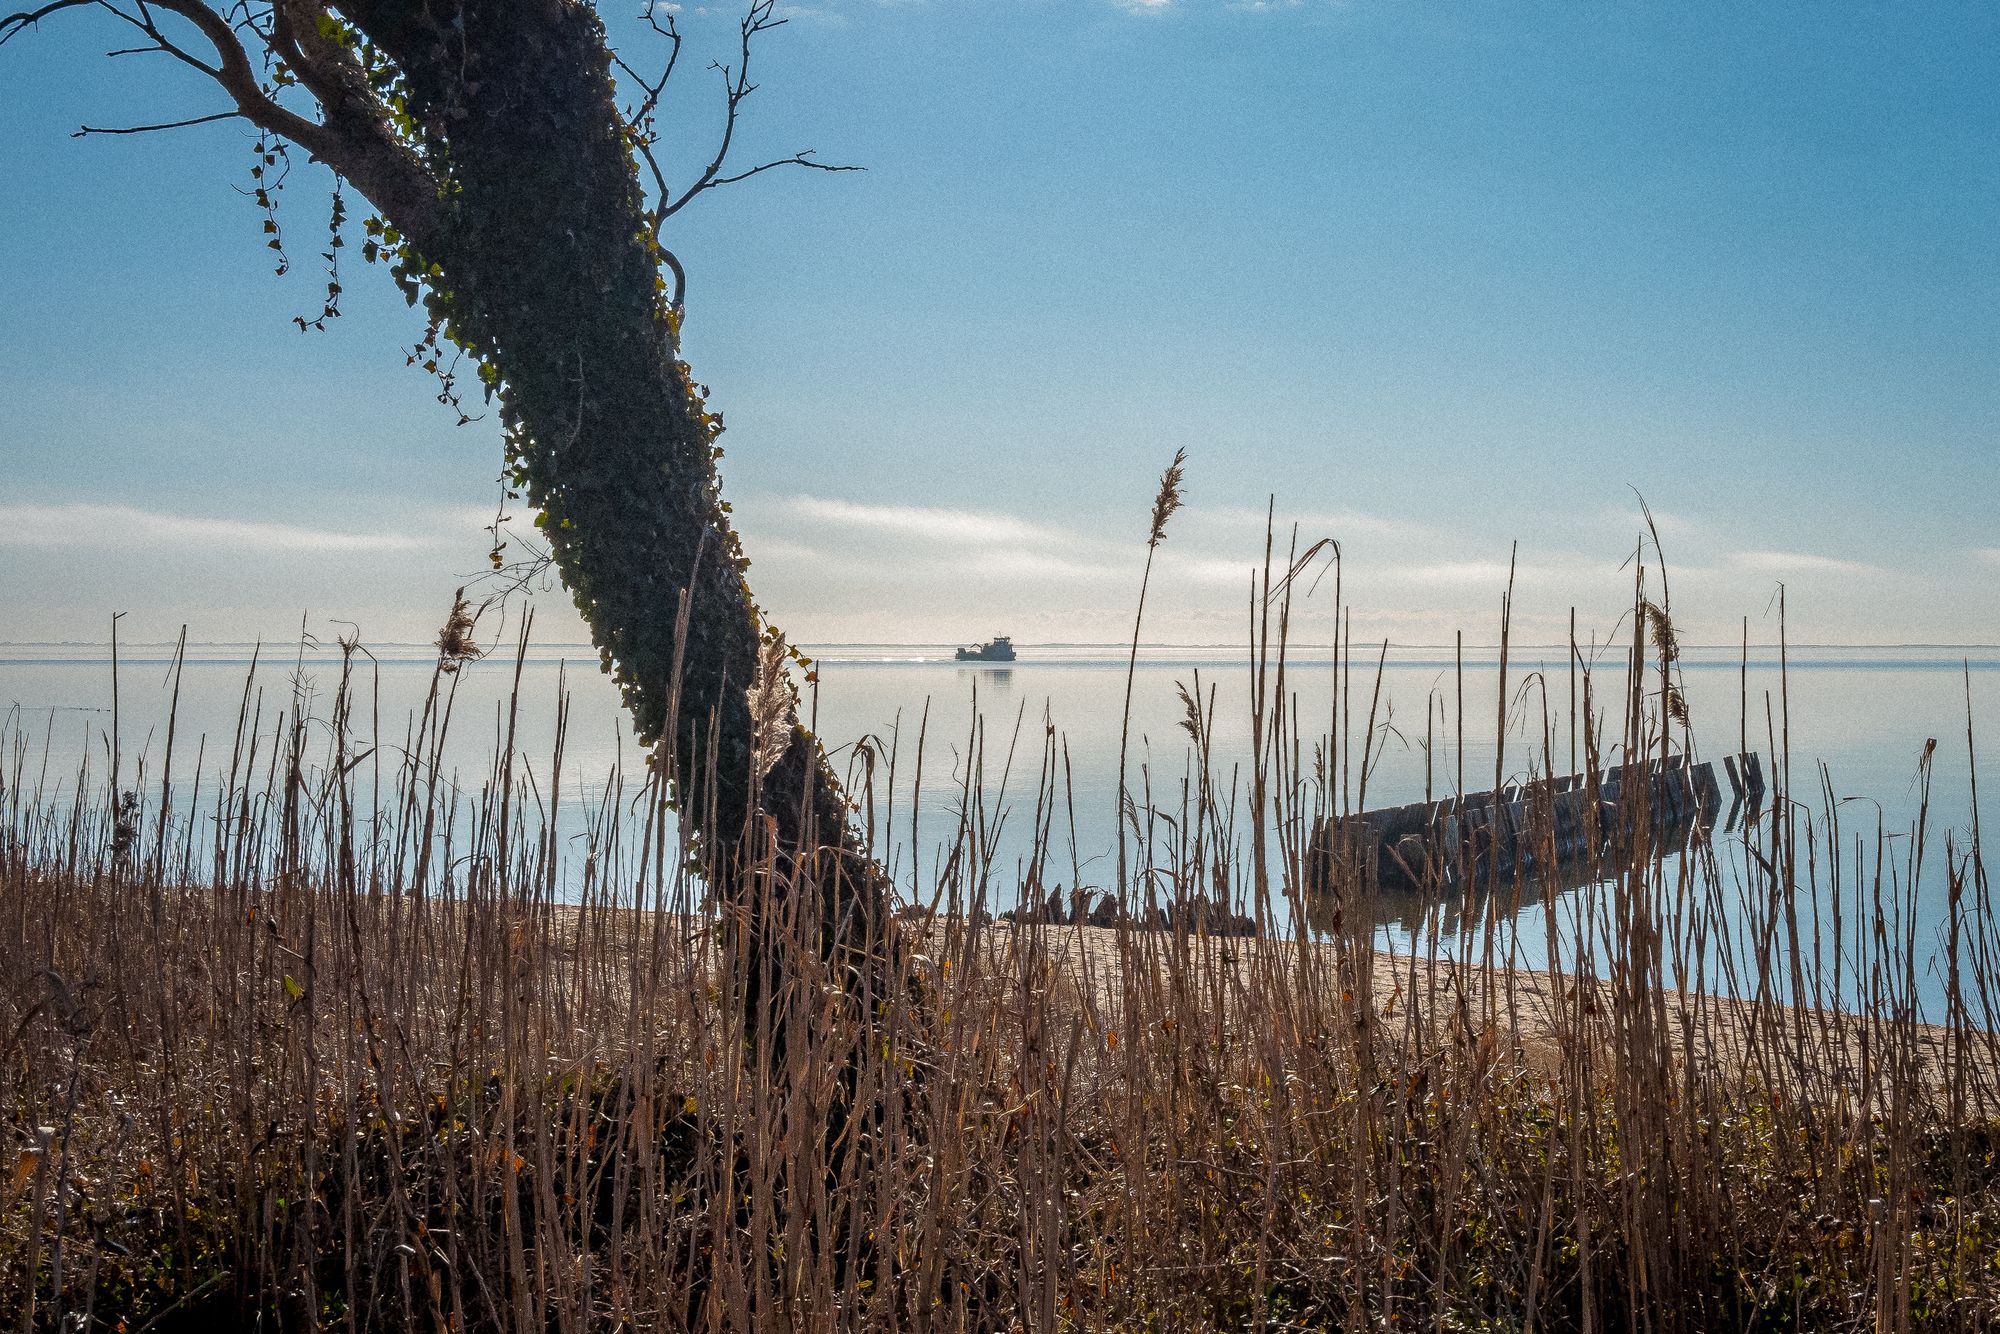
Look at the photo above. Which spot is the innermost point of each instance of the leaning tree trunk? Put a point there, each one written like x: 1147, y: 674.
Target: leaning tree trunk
x: 487, y: 135
x: 536, y: 253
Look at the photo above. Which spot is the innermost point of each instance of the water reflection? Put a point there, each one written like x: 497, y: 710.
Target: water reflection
x: 997, y: 680
x: 1455, y: 909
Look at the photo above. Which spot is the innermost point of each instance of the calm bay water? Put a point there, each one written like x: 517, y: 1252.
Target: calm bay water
x: 1866, y: 714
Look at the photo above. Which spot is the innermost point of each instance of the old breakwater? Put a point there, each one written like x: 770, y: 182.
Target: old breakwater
x: 1554, y: 830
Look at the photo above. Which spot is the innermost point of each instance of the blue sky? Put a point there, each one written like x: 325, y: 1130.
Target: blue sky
x: 1441, y: 277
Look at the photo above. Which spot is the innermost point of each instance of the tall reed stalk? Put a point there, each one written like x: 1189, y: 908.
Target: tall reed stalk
x: 1166, y: 500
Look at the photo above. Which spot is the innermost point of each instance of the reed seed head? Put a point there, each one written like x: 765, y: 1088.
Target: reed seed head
x: 1169, y: 498
x: 455, y: 644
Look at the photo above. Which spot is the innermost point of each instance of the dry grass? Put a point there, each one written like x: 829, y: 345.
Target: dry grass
x: 284, y: 1050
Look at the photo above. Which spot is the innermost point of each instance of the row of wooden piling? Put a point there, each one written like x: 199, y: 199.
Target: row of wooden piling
x: 1540, y: 828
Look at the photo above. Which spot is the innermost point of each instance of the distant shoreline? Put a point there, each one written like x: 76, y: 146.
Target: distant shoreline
x: 276, y: 647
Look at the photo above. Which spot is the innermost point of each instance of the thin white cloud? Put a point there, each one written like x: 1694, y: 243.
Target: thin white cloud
x: 1341, y: 525
x: 1212, y: 549
x: 1175, y: 566
x: 782, y: 548
x: 812, y: 14
x: 1798, y: 562
x: 1032, y: 565
x: 1991, y: 555
x: 974, y: 526
x: 83, y: 525
x: 900, y: 541
x: 981, y: 544
x: 1631, y: 520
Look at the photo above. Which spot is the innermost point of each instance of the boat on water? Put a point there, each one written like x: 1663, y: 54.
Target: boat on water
x: 997, y: 649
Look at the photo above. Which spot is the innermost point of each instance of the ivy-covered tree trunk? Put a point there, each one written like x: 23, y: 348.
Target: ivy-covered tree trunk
x: 488, y: 136
x: 538, y: 256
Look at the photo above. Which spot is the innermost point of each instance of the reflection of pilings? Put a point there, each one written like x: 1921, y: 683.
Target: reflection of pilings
x: 1545, y: 829
x: 1746, y: 777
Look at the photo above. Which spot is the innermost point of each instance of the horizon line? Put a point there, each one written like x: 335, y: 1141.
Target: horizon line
x: 1121, y: 645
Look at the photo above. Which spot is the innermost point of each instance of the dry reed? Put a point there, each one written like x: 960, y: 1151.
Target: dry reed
x: 287, y: 1046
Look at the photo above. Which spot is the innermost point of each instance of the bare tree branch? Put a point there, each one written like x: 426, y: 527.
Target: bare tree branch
x: 15, y: 24
x: 233, y: 70
x: 672, y: 261
x: 643, y: 134
x: 642, y: 144
x: 355, y: 134
x: 653, y: 87
x: 143, y: 21
x: 737, y: 87
x: 238, y: 76
x: 83, y: 130
x: 639, y: 120
x: 800, y: 159
x: 356, y: 137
